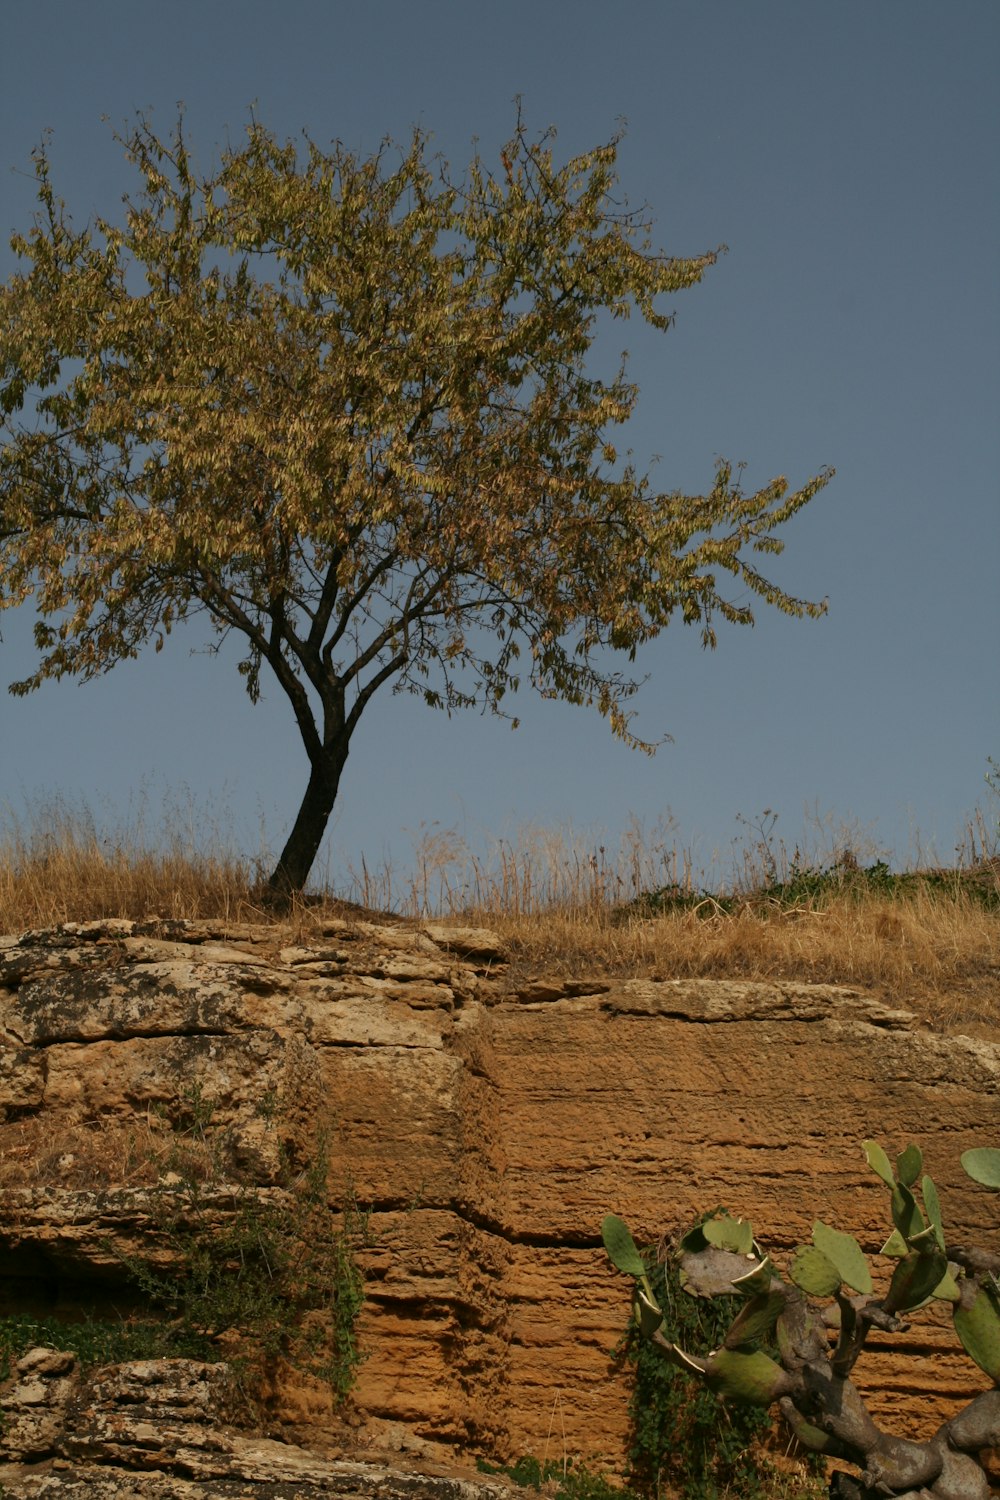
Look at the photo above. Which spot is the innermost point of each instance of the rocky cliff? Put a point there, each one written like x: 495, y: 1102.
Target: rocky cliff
x: 484, y: 1127
x: 161, y: 1430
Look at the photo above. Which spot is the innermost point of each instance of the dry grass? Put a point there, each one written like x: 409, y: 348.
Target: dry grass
x: 56, y: 866
x: 99, y: 1154
x: 936, y: 954
x: 572, y: 906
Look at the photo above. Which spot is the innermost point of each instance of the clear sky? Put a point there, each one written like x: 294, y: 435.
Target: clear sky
x: 847, y: 155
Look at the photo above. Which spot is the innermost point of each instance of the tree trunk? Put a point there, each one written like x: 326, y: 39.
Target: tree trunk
x: 292, y: 870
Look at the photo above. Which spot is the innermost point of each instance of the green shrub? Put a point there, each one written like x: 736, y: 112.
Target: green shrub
x: 680, y: 1435
x: 253, y: 1275
x: 814, y: 888
x: 275, y: 1273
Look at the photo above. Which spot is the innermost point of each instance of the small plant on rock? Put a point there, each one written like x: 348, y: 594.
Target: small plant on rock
x: 265, y: 1274
x: 778, y: 1350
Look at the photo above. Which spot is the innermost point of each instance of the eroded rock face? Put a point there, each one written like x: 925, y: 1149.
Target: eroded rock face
x: 488, y: 1129
x: 159, y: 1428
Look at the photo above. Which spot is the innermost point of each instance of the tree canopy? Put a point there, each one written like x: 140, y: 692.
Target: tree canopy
x: 347, y: 408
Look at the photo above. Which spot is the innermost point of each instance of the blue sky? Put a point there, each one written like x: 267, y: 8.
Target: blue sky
x: 846, y: 153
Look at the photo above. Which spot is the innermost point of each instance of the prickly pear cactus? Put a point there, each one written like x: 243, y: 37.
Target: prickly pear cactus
x: 809, y: 1381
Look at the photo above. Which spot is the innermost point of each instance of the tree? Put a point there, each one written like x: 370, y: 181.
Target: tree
x: 806, y: 1377
x: 344, y: 408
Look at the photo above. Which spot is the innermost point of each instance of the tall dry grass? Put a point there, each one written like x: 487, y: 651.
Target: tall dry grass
x: 57, y: 865
x: 575, y: 905
x: 936, y: 953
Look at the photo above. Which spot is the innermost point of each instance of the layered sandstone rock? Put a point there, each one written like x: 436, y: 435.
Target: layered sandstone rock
x: 158, y: 1430
x: 488, y: 1127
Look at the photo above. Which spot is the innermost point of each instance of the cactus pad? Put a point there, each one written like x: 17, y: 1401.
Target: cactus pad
x: 814, y: 1273
x: 756, y: 1320
x: 906, y: 1213
x: 932, y: 1204
x: 752, y: 1378
x: 978, y: 1327
x: 914, y: 1280
x: 844, y: 1254
x: 620, y: 1245
x: 982, y: 1164
x: 908, y: 1164
x: 880, y: 1163
x: 649, y: 1314
x: 727, y: 1233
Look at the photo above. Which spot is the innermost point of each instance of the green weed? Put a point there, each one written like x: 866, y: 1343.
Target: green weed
x: 815, y: 888
x: 272, y: 1273
x: 683, y: 1440
x: 563, y: 1479
x: 234, y: 1270
x: 99, y: 1341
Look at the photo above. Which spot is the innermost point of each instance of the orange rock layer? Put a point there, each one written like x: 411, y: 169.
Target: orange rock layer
x: 488, y: 1131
